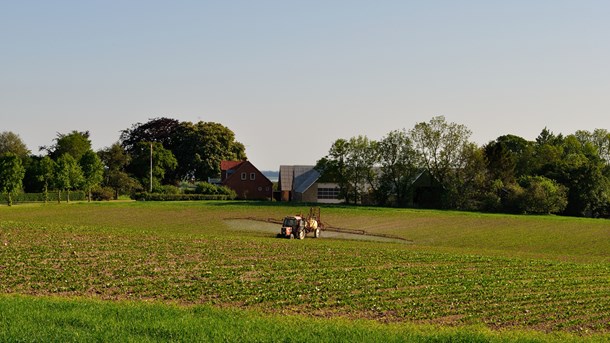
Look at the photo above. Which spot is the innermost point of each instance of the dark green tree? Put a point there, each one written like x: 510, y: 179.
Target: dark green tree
x: 201, y: 147
x: 158, y: 130
x: 162, y: 161
x: 75, y: 143
x: 581, y: 170
x: 351, y: 164
x: 399, y: 165
x: 116, y: 160
x: 198, y: 148
x: 11, y: 175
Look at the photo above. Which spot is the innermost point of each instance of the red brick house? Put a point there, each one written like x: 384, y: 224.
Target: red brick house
x: 246, y: 180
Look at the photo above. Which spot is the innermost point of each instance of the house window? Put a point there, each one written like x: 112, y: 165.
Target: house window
x: 252, y: 176
x: 328, y: 193
x: 244, y: 176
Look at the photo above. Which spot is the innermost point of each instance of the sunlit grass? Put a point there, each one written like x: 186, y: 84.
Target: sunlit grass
x: 25, y: 319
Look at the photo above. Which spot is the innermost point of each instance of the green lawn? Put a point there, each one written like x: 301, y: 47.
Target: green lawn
x: 543, y: 274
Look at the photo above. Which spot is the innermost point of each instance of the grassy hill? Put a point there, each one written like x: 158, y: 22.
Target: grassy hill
x: 459, y: 270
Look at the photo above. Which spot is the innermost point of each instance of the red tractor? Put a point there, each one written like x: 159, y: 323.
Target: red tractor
x: 298, y: 226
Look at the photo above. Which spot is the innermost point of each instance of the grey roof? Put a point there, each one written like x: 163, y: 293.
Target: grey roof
x: 305, y: 180
x: 288, y: 175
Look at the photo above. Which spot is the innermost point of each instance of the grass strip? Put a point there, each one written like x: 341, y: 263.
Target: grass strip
x: 52, y: 319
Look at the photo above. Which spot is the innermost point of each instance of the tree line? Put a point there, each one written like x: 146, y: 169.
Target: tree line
x: 169, y: 150
x: 567, y: 175
x: 559, y: 174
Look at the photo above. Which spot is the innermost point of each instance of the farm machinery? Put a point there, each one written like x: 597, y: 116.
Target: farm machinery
x: 299, y: 226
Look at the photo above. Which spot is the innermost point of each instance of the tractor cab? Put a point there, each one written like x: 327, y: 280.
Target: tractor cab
x: 291, y: 225
x: 298, y: 226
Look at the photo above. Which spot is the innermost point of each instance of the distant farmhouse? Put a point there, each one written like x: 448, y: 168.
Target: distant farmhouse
x: 246, y: 180
x: 300, y: 184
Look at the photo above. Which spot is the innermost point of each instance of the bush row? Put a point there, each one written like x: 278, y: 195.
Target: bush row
x: 178, y: 197
x: 39, y: 197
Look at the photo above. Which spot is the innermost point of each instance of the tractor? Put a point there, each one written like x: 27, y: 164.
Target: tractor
x: 298, y: 226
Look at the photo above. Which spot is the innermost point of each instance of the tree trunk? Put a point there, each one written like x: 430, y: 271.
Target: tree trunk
x: 68, y: 196
x: 89, y: 195
x: 8, y: 199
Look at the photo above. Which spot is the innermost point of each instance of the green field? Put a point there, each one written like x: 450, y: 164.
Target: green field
x: 465, y: 275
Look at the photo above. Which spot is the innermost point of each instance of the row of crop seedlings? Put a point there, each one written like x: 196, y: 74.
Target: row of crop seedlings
x: 40, y: 197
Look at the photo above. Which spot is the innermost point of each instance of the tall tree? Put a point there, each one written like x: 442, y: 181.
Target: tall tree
x: 75, y: 143
x: 599, y: 138
x: 68, y: 175
x: 400, y: 164
x: 11, y: 175
x: 116, y: 160
x: 351, y: 164
x: 443, y: 147
x: 580, y: 169
x: 198, y: 148
x: 201, y: 147
x: 159, y: 130
x: 11, y: 143
x: 93, y: 171
x: 46, y: 173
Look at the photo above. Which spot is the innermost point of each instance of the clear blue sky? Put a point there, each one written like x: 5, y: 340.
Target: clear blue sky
x: 290, y: 77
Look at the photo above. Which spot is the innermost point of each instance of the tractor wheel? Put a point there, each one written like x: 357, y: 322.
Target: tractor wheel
x: 316, y: 233
x: 301, y: 234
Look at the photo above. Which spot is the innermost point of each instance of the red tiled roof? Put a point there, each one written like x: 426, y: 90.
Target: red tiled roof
x: 228, y: 165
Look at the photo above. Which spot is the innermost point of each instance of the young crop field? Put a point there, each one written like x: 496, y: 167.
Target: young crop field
x: 545, y: 274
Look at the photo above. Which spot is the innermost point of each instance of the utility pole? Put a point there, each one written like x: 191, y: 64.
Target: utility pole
x: 151, y: 153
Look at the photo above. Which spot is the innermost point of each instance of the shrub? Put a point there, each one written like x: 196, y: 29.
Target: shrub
x: 543, y: 195
x: 210, y: 189
x: 170, y: 189
x: 102, y: 194
x: 206, y: 188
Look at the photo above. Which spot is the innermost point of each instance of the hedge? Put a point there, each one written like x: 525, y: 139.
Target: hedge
x: 178, y: 197
x: 39, y: 197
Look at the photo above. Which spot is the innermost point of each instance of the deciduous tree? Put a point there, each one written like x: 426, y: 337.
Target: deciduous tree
x: 198, y: 148
x: 400, y: 164
x: 11, y: 143
x: 93, y: 171
x: 11, y: 175
x: 351, y: 164
x: 68, y: 175
x: 443, y: 148
x: 162, y: 161
x: 543, y: 195
x: 116, y: 160
x: 45, y: 173
x: 75, y: 143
